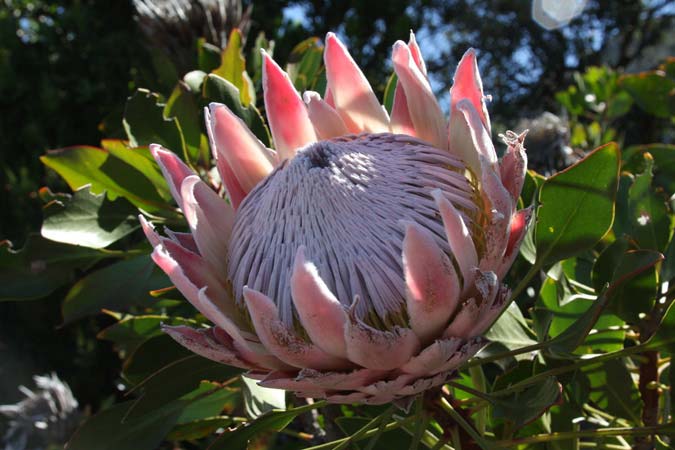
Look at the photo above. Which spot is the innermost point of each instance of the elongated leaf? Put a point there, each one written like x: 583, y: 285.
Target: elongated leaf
x: 89, y: 220
x: 389, y: 92
x: 199, y: 428
x: 577, y: 206
x: 40, y: 267
x: 304, y: 64
x: 233, y: 68
x: 85, y: 165
x: 140, y: 159
x: 101, y: 289
x: 272, y: 421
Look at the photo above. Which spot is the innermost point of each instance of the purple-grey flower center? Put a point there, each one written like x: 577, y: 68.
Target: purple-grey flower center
x: 344, y: 199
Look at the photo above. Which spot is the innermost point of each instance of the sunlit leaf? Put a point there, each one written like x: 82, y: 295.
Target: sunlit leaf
x: 89, y: 220
x: 259, y: 400
x: 85, y: 165
x: 577, y: 206
x: 233, y: 68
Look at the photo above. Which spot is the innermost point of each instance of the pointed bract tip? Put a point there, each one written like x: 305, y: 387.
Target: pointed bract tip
x: 309, y: 96
x: 157, y: 150
x: 437, y: 195
x: 149, y: 231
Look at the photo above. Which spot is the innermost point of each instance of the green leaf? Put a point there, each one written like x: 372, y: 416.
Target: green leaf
x: 208, y: 55
x: 115, y: 429
x: 644, y: 215
x: 40, y: 267
x: 613, y: 390
x: 182, y: 106
x: 145, y: 124
x: 166, y: 73
x: 88, y: 220
x: 233, y: 68
x: 389, y: 92
x: 391, y: 440
x: 255, y: 59
x: 509, y: 332
x: 272, y: 421
x: 106, y: 430
x: 210, y: 399
x: 525, y: 406
x: 259, y: 400
x: 101, y: 289
x: 194, y: 80
x: 141, y: 160
x: 668, y: 266
x: 664, y: 163
x: 636, y: 293
x: 572, y: 321
x: 576, y: 206
x: 176, y: 377
x: 664, y: 338
x: 199, y: 428
x: 630, y: 268
x: 151, y: 356
x: 653, y: 91
x: 619, y: 105
x: 218, y: 89
x: 130, y: 332
x: 84, y: 165
x: 304, y: 64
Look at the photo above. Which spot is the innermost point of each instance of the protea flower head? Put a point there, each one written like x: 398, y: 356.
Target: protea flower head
x: 359, y: 261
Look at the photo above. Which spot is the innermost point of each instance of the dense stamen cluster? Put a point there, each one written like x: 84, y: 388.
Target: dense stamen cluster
x: 346, y: 201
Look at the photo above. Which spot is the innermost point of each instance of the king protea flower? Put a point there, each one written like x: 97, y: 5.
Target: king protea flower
x: 361, y: 259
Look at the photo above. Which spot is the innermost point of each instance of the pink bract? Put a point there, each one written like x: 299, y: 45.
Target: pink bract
x: 361, y: 259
